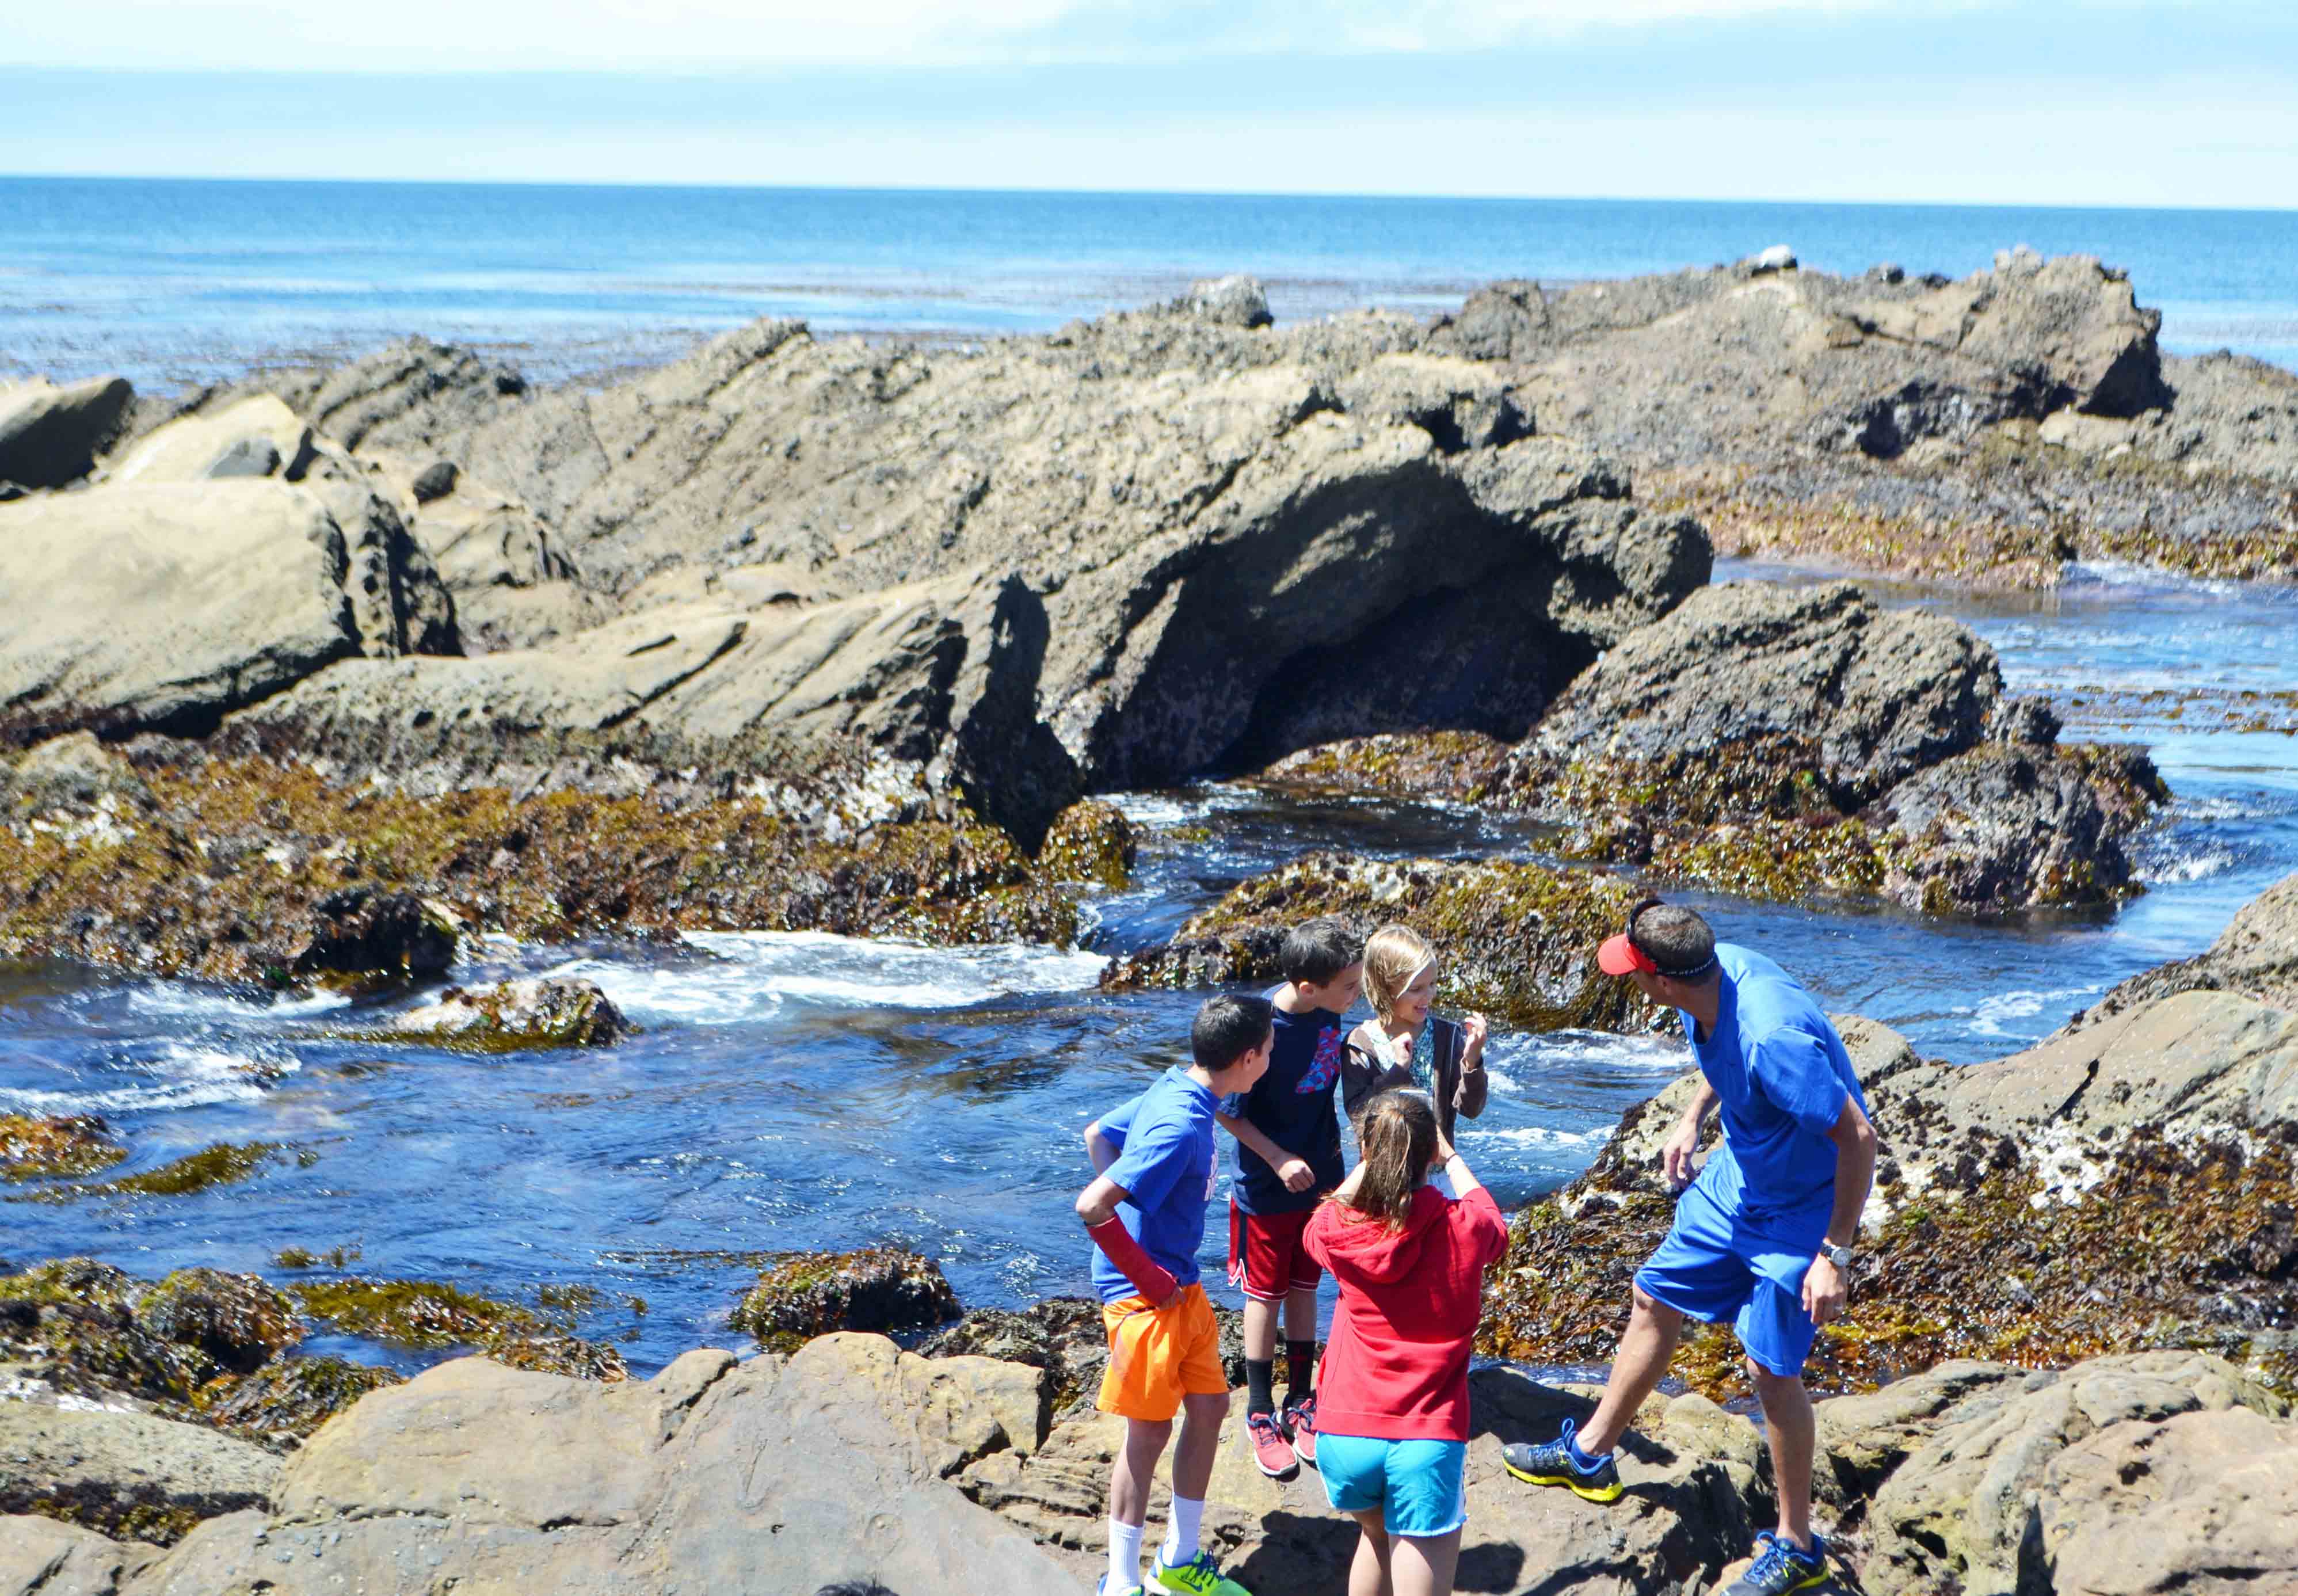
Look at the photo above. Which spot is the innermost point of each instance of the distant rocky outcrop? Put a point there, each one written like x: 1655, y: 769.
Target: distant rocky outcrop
x: 1788, y: 742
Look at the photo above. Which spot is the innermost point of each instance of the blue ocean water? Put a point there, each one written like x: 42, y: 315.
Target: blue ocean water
x: 179, y: 281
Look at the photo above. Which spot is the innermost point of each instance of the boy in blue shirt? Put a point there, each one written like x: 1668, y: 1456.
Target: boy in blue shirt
x: 1288, y: 1158
x: 1763, y: 1237
x: 1146, y: 1211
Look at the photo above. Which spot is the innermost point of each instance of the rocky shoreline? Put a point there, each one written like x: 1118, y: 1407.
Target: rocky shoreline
x: 2071, y: 1353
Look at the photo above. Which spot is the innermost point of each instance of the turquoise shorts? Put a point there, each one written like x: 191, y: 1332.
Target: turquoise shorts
x: 1420, y: 1487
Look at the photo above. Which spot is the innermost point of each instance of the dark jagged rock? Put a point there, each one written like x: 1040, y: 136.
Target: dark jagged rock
x: 50, y: 435
x: 805, y: 1294
x: 237, y: 1322
x: 294, y: 1396
x: 360, y: 933
x: 1519, y: 940
x: 1090, y: 841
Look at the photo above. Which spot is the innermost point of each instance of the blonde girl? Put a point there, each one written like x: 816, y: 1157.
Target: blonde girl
x: 1405, y: 1045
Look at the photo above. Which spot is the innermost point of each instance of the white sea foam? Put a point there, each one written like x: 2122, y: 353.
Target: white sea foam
x: 1533, y: 1135
x: 179, y: 1075
x: 1991, y: 1016
x: 201, y: 1004
x: 754, y: 974
x: 2198, y: 866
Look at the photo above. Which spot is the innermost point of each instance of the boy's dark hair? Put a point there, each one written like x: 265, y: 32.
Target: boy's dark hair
x: 1227, y: 1027
x: 1315, y: 951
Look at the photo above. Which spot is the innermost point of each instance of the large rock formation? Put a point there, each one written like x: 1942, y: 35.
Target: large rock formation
x: 1146, y: 546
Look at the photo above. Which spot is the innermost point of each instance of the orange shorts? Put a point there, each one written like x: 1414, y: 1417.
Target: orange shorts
x: 1156, y: 1357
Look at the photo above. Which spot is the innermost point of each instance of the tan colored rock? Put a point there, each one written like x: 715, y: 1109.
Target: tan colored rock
x: 133, y: 1476
x: 2201, y: 1504
x: 39, y: 1556
x: 258, y: 437
x: 1963, y: 1508
x: 165, y: 607
x: 754, y: 1479
x: 2256, y: 956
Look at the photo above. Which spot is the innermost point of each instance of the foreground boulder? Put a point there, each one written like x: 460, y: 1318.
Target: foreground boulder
x: 134, y: 1476
x: 1519, y: 940
x: 50, y: 435
x: 768, y: 1477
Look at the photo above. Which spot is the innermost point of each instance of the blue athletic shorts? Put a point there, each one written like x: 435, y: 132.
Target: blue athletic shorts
x: 1715, y: 1266
x: 1420, y: 1487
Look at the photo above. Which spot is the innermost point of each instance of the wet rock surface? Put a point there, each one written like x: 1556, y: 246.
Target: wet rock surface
x: 807, y: 1294
x: 1519, y: 938
x: 50, y: 435
x: 514, y: 1016
x: 55, y: 1146
x: 265, y: 873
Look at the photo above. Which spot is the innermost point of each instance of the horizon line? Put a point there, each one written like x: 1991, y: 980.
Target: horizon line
x: 1177, y: 194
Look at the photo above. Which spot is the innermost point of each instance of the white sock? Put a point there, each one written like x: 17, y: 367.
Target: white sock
x: 1124, y: 1557
x: 1181, y: 1535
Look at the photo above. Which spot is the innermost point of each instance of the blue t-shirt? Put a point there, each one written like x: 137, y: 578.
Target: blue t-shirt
x: 1291, y: 1104
x: 1164, y: 1142
x: 1781, y: 1075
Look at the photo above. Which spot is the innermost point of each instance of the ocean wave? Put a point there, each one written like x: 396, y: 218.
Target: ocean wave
x: 198, y: 1004
x: 2166, y: 867
x: 753, y: 975
x: 1533, y: 1135
x: 178, y: 1075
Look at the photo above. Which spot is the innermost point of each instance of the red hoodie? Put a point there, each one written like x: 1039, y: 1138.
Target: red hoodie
x: 1397, y: 1367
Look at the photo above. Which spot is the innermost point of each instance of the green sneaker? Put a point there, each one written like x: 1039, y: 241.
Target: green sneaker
x: 1103, y: 1589
x: 1199, y: 1576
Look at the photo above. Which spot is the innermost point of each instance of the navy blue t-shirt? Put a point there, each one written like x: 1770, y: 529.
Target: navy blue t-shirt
x: 1292, y: 1106
x: 1782, y: 1076
x: 1164, y: 1142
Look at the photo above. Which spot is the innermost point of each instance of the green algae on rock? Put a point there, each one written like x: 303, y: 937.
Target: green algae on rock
x: 1518, y: 939
x: 86, y: 1327
x: 55, y: 1147
x: 226, y: 1163
x: 429, y: 1314
x: 293, y: 1396
x: 804, y: 1295
x: 1090, y: 841
x: 514, y: 1016
x: 236, y: 872
x: 238, y: 1322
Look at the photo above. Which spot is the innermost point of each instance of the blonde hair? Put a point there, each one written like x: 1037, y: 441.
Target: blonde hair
x: 1391, y: 958
x: 1398, y: 1138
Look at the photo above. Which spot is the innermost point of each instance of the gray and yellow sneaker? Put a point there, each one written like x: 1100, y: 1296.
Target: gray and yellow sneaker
x: 1551, y: 1463
x: 1781, y: 1566
x: 1199, y: 1576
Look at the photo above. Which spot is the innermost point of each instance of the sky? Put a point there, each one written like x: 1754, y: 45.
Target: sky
x: 2016, y: 101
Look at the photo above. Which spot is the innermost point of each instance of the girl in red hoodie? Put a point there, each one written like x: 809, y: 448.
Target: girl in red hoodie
x: 1392, y: 1400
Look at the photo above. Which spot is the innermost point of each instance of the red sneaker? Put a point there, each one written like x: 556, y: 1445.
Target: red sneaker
x: 1301, y: 1425
x: 1272, y: 1454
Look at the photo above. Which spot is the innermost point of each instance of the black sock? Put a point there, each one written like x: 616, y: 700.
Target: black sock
x: 1258, y: 1373
x: 1299, y: 1369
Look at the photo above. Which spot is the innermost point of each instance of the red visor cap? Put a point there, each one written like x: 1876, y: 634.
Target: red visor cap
x: 1618, y: 956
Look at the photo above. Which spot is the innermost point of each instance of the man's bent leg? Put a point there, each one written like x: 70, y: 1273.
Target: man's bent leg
x: 1789, y: 1424
x: 1637, y: 1368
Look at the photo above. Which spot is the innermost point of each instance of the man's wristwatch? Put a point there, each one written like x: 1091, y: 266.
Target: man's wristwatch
x: 1840, y: 1257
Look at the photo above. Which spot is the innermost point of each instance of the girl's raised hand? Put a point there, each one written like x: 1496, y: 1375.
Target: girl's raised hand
x: 1474, y: 1027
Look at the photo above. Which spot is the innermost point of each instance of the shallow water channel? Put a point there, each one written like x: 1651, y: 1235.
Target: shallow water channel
x: 808, y: 1091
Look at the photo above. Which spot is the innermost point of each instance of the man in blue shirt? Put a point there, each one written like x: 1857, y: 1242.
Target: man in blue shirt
x: 1763, y: 1237
x: 1145, y: 1212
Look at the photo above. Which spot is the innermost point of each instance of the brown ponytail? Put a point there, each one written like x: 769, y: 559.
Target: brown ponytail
x: 1397, y: 1135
